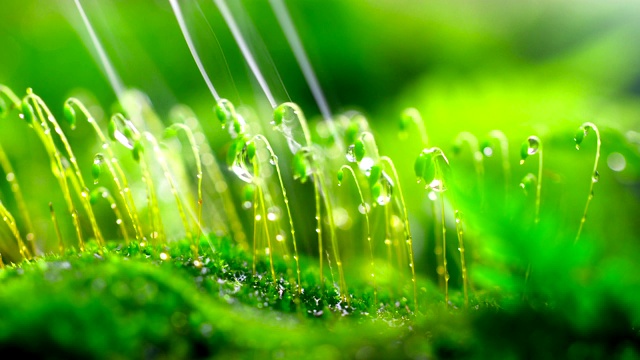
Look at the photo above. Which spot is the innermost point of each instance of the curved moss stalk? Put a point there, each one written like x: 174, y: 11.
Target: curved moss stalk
x: 54, y: 221
x: 344, y: 292
x: 14, y: 100
x: 84, y: 196
x: 130, y: 138
x: 533, y: 146
x: 368, y: 223
x: 10, y: 176
x: 170, y: 131
x: 103, y: 193
x: 262, y: 217
x: 432, y: 167
x: 595, y: 177
x: 274, y: 159
x: 412, y: 115
x: 407, y: 230
x: 226, y: 113
x: 287, y: 117
x: 503, y: 142
x: 11, y: 223
x: 112, y: 163
x: 478, y: 165
x: 159, y: 156
x: 55, y: 158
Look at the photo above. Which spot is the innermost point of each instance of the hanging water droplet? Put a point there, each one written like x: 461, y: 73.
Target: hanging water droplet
x: 534, y: 145
x: 364, y: 208
x: 437, y: 185
x: 458, y: 217
x: 288, y: 120
x: 596, y: 177
x: 386, y: 190
x: 351, y: 153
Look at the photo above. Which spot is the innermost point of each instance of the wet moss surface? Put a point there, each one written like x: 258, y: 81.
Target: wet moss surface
x: 132, y: 302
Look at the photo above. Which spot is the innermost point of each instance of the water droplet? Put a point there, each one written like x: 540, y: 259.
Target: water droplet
x: 534, y: 145
x: 364, y: 208
x: 437, y: 185
x: 258, y: 217
x: 247, y: 205
x: 596, y: 177
x: 288, y: 119
x: 386, y: 190
x: 351, y: 154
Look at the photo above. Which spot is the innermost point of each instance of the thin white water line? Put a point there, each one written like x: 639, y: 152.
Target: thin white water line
x: 237, y: 35
x: 192, y: 48
x: 284, y: 18
x: 113, y: 78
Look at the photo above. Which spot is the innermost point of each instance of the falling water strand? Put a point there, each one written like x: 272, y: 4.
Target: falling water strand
x: 113, y: 78
x: 284, y: 18
x: 248, y: 56
x: 192, y: 48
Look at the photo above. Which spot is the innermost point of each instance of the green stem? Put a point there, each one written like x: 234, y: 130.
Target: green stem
x: 159, y: 156
x: 369, y: 237
x: 84, y: 195
x: 44, y: 134
x: 260, y: 194
x: 196, y: 155
x: 11, y: 223
x: 117, y: 174
x: 407, y: 229
x: 592, y: 126
x: 286, y: 204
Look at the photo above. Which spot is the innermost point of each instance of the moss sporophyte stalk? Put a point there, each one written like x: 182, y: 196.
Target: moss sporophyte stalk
x: 252, y: 159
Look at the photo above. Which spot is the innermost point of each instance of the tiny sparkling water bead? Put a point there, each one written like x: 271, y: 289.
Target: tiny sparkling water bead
x: 530, y: 147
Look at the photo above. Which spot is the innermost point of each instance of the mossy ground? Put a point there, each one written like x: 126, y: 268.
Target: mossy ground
x: 129, y: 303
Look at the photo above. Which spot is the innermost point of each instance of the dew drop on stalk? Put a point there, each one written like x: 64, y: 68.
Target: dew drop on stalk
x: 364, y: 208
x: 529, y: 147
x: 385, y: 186
x: 351, y: 153
x: 596, y: 177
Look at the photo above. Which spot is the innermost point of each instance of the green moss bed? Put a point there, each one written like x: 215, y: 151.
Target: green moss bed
x: 127, y: 302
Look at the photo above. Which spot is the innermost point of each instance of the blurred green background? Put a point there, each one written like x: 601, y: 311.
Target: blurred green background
x: 524, y: 68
